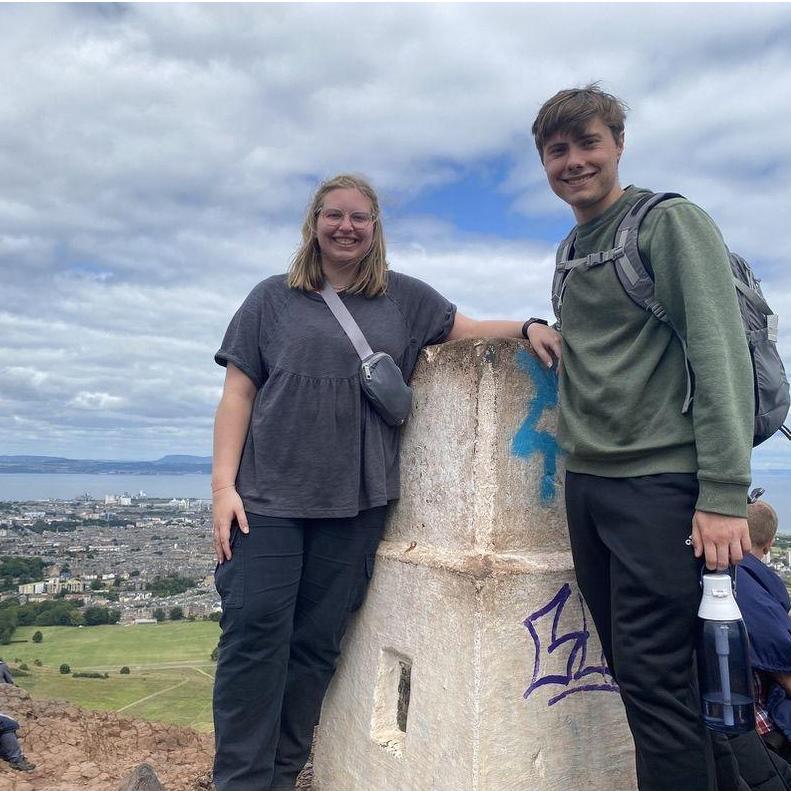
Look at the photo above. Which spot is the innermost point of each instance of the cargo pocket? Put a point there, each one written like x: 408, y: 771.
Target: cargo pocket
x: 358, y: 595
x: 229, y: 576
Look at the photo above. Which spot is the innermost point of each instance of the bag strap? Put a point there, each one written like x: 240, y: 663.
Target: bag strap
x: 346, y: 320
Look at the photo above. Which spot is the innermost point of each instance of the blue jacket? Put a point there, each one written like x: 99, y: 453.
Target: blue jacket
x: 764, y: 603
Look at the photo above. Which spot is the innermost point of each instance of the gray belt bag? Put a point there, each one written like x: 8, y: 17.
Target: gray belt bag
x: 381, y: 379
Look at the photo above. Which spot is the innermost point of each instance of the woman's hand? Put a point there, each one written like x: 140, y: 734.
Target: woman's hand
x: 226, y: 506
x: 545, y: 342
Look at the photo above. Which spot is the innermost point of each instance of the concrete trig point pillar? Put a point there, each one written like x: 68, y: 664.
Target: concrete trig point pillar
x: 473, y: 665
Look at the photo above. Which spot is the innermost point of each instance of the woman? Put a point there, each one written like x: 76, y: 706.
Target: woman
x: 304, y: 468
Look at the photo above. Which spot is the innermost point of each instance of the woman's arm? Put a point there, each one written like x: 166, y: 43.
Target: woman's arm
x: 544, y: 341
x: 230, y: 431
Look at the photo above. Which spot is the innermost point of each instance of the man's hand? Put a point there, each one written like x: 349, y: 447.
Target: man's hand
x: 722, y: 540
x: 546, y: 343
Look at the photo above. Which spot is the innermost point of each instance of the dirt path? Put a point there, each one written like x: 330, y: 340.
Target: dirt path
x: 152, y: 695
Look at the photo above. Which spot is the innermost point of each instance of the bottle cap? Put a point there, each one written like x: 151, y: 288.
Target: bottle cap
x: 717, y: 602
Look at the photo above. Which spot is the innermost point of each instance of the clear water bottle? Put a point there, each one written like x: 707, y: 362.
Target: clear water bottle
x: 723, y: 651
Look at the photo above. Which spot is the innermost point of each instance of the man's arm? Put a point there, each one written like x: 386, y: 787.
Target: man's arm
x: 544, y: 341
x: 695, y: 285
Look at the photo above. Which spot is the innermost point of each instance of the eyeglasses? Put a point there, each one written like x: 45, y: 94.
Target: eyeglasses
x: 358, y: 219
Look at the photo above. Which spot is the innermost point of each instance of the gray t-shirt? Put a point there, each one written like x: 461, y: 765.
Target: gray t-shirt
x: 316, y: 448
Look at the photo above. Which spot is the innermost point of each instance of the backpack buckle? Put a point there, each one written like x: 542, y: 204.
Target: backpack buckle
x: 602, y: 257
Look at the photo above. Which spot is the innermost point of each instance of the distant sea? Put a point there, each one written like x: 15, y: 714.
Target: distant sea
x: 32, y: 486
x: 46, y: 486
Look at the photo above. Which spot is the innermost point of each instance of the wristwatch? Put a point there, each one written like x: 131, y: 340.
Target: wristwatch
x: 526, y: 325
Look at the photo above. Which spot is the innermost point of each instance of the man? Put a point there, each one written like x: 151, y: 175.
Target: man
x: 644, y: 479
x: 765, y: 603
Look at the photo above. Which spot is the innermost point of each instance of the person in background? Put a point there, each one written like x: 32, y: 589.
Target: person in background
x: 765, y: 603
x: 304, y: 469
x: 10, y: 749
x: 5, y: 673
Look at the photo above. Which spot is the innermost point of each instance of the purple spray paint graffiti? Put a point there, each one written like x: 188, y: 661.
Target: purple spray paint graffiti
x: 577, y: 676
x: 529, y: 440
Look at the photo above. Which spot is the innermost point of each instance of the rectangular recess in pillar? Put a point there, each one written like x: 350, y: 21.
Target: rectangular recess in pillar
x: 391, y: 701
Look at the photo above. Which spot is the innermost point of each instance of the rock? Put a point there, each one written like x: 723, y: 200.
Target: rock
x: 143, y: 778
x: 89, y: 771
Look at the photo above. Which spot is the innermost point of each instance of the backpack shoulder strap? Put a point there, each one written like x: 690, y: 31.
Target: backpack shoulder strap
x: 635, y: 274
x: 566, y: 266
x: 564, y: 254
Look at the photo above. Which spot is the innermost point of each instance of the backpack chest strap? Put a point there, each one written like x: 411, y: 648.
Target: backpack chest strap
x: 589, y: 261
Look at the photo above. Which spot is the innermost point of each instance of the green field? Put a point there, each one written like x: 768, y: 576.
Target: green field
x: 171, y: 673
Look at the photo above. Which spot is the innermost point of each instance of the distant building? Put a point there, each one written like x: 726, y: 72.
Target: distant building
x: 32, y: 588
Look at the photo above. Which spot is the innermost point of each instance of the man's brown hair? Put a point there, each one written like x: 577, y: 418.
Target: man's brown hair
x: 571, y: 111
x: 762, y: 523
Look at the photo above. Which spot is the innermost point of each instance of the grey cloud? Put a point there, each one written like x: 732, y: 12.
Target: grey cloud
x: 157, y: 159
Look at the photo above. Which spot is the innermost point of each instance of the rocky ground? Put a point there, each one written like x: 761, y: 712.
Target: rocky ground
x: 76, y: 750
x: 79, y: 750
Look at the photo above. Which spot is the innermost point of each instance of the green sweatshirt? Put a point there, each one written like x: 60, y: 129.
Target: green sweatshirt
x: 622, y: 379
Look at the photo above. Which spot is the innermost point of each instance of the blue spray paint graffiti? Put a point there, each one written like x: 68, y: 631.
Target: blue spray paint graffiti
x: 575, y: 676
x: 529, y: 440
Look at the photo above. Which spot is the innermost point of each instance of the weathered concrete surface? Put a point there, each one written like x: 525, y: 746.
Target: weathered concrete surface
x: 473, y: 601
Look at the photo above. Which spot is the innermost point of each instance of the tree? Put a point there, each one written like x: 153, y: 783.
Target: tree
x: 176, y: 613
x: 124, y: 671
x: 64, y: 669
x: 215, y: 616
x: 38, y: 637
x: 8, y: 622
x: 96, y: 616
x: 171, y: 585
x: 159, y: 614
x: 96, y: 585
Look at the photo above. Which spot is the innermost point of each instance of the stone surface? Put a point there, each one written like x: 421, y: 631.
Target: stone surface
x: 143, y: 778
x: 473, y: 664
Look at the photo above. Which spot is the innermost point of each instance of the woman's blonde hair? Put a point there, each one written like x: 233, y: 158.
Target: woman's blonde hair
x: 305, y: 270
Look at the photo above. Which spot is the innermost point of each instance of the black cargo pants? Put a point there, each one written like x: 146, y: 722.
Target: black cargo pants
x: 287, y: 594
x: 642, y: 585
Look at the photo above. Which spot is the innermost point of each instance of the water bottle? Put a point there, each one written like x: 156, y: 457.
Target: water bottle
x: 723, y: 651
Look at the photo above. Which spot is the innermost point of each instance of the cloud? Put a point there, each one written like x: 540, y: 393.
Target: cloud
x: 157, y: 160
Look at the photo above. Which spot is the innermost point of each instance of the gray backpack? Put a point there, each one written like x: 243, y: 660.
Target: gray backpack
x: 772, y: 400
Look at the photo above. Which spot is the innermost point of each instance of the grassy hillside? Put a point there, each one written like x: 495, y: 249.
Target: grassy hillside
x: 171, y: 673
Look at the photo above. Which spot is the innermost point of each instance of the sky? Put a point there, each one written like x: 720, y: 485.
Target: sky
x: 156, y: 162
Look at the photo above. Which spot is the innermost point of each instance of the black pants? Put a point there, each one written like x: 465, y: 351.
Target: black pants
x: 287, y: 594
x: 641, y: 583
